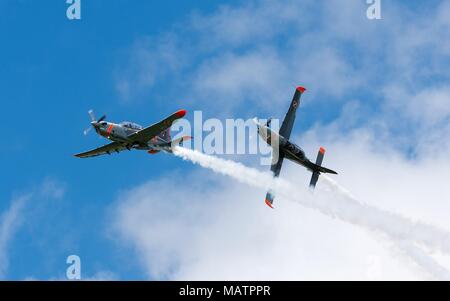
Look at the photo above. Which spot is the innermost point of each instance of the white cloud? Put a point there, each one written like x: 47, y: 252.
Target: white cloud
x: 239, y: 55
x: 216, y: 79
x: 53, y: 188
x: 250, y: 23
x: 400, y: 64
x: 331, y: 46
x: 182, y: 231
x: 10, y: 221
x: 150, y: 61
x: 14, y: 217
x: 102, y: 276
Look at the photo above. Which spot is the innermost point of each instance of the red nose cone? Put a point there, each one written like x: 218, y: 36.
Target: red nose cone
x: 301, y: 89
x: 322, y: 150
x: 181, y: 113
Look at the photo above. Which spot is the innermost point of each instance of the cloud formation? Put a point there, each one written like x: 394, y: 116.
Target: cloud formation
x: 388, y: 83
x: 330, y: 47
x: 10, y: 221
x: 171, y: 226
x: 15, y: 216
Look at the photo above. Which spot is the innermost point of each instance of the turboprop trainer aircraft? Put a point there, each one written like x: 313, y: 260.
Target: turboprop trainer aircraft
x: 289, y: 150
x: 129, y: 135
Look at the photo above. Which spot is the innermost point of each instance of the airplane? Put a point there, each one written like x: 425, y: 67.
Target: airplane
x: 288, y: 149
x: 128, y: 135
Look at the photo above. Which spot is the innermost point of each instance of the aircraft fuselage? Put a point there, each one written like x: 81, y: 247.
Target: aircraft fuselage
x: 120, y: 133
x: 290, y: 150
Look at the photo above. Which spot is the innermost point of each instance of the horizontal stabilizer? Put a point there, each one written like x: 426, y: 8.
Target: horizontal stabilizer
x: 318, y: 168
x: 179, y: 141
x: 269, y: 199
x: 326, y: 170
x: 168, y: 147
x: 314, y: 179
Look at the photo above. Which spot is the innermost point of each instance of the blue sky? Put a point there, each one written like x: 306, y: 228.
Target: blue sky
x: 140, y: 60
x: 53, y: 72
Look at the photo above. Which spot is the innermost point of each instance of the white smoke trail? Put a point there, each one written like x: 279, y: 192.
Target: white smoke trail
x: 396, y: 226
x: 407, y: 249
x: 422, y: 260
x: 348, y: 209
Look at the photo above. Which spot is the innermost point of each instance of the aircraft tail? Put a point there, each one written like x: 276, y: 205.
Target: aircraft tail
x: 165, y: 135
x: 179, y: 141
x: 168, y: 147
x: 318, y: 168
x: 269, y: 199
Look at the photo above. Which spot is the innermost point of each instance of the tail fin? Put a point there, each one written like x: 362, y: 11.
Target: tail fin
x: 318, y: 168
x: 165, y: 135
x: 179, y: 141
x: 269, y: 199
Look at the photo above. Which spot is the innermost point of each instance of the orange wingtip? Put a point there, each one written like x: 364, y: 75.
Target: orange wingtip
x: 187, y: 138
x: 322, y: 150
x: 181, y: 113
x: 269, y: 204
x: 301, y: 89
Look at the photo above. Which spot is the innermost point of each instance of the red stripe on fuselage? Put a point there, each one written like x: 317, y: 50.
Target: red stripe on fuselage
x: 108, y: 131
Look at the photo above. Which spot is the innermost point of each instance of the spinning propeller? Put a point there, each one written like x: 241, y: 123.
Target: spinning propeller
x: 94, y: 123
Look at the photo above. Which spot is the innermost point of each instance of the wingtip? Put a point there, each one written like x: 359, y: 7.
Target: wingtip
x: 301, y: 89
x: 181, y: 113
x: 268, y: 203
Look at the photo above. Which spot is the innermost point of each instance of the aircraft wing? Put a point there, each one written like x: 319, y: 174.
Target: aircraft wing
x: 148, y: 133
x: 288, y: 122
x: 275, y: 168
x: 105, y: 149
x: 311, y: 166
x: 285, y: 131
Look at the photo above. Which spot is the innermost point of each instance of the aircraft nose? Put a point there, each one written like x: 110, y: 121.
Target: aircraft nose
x: 95, y: 124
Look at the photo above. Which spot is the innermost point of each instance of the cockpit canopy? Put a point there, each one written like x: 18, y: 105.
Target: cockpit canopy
x: 131, y: 125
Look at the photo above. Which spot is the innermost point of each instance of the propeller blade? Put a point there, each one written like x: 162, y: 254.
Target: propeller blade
x: 94, y: 122
x: 91, y: 114
x: 86, y: 131
x: 102, y: 118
